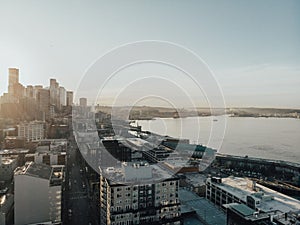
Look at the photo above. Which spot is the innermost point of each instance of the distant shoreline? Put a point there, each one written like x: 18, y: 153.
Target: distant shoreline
x: 149, y: 113
x: 233, y: 116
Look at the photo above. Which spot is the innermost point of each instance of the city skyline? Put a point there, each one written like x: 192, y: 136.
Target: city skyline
x: 149, y: 112
x: 252, y: 48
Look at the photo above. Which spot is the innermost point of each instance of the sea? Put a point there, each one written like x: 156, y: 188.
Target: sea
x: 268, y: 138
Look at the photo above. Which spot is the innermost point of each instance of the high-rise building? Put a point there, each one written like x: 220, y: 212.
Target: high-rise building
x: 69, y: 98
x: 31, y: 131
x: 13, y: 79
x: 43, y: 99
x: 83, y: 102
x: 147, y: 201
x: 38, y: 191
x: 54, y: 92
x: 29, y: 91
x: 62, y: 96
x: 36, y: 89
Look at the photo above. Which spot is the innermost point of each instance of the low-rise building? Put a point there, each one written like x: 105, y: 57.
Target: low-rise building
x: 31, y: 131
x: 48, y: 158
x: 243, y: 190
x: 19, y: 153
x: 11, y: 142
x: 38, y: 191
x: 241, y: 214
x: 7, y: 166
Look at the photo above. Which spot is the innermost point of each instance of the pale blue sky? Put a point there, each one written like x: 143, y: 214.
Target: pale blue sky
x: 252, y: 46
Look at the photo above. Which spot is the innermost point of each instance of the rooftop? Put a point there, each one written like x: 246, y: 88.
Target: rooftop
x: 206, y: 211
x: 8, y: 160
x: 242, y: 209
x: 270, y: 200
x: 36, y: 170
x: 43, y: 171
x: 14, y: 151
x: 141, y: 172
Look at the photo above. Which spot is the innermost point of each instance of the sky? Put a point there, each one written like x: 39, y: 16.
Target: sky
x: 252, y: 47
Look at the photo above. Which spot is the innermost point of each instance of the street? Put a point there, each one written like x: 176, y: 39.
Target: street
x: 77, y: 201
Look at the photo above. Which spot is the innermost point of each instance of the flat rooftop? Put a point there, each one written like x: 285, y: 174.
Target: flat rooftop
x: 43, y: 171
x: 270, y: 200
x: 137, y: 172
x: 205, y: 211
x: 137, y: 143
x: 8, y: 160
x: 15, y: 151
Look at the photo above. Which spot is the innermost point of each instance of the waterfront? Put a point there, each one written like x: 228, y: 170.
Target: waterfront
x: 270, y: 138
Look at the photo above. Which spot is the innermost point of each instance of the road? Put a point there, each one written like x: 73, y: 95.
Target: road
x: 77, y: 202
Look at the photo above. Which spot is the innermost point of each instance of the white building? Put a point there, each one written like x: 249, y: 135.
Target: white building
x: 32, y: 131
x: 37, y: 194
x: 242, y: 190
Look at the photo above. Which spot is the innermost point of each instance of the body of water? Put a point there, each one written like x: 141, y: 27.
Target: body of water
x: 271, y: 138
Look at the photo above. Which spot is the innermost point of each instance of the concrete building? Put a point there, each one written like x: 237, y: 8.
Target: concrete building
x: 38, y: 193
x: 69, y: 98
x: 29, y: 91
x: 18, y: 153
x: 62, y: 96
x: 7, y: 167
x: 48, y: 158
x: 43, y: 98
x: 54, y: 92
x: 49, y: 151
x: 13, y: 80
x: 198, y: 210
x: 14, y: 87
x: 242, y: 190
x: 83, y: 102
x: 147, y: 200
x: 36, y: 89
x: 31, y: 131
x: 241, y: 214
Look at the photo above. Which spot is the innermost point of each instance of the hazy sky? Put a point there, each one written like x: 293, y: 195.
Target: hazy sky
x: 252, y: 46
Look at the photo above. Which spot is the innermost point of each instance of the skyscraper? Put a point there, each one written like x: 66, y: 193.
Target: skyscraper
x: 69, y: 98
x: 44, y: 103
x: 62, y: 96
x: 13, y: 79
x: 54, y: 92
x: 83, y: 102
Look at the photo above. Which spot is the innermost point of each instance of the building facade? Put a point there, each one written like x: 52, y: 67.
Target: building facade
x: 38, y: 193
x: 143, y: 203
x: 83, y: 102
x: 31, y: 131
x: 222, y: 192
x: 69, y: 98
x: 7, y: 166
